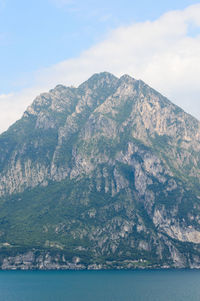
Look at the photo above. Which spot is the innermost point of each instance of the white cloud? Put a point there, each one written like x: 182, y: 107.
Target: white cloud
x: 160, y: 52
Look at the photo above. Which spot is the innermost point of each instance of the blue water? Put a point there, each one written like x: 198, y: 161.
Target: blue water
x: 100, y: 285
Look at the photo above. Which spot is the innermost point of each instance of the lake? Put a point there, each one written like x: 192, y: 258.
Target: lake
x: 144, y: 285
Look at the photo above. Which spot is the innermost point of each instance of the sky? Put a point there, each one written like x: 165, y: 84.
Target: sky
x: 48, y: 42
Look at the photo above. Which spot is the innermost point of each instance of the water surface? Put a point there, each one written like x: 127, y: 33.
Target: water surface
x: 168, y: 285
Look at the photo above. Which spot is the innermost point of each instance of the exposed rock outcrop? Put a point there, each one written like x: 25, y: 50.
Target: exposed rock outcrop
x: 105, y: 175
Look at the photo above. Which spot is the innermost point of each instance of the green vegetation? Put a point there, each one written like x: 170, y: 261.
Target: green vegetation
x: 78, y: 180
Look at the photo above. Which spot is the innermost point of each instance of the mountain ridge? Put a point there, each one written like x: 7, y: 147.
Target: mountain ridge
x: 105, y: 175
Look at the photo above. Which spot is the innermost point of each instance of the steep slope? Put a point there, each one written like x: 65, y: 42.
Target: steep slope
x: 105, y: 175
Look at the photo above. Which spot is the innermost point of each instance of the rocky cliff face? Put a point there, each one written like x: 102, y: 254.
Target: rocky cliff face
x: 105, y: 175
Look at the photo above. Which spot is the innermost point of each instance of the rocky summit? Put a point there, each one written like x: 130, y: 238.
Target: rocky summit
x: 103, y: 176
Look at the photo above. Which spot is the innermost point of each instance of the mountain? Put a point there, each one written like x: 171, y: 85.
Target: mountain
x: 105, y: 175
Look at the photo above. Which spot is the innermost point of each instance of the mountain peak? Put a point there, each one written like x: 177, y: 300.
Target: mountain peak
x: 103, y: 75
x: 107, y: 173
x: 99, y: 80
x: 127, y: 78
